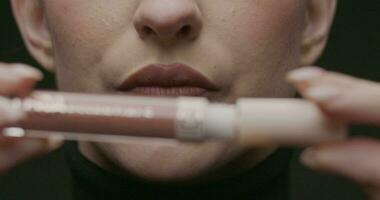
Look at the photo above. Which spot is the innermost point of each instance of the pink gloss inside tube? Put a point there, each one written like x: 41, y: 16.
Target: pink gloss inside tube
x: 99, y: 114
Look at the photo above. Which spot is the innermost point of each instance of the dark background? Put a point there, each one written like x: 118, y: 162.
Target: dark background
x: 354, y: 48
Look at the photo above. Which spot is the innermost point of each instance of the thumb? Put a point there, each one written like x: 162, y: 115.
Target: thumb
x: 14, y: 151
x: 357, y: 159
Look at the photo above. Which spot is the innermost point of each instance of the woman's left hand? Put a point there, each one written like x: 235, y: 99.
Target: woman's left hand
x: 354, y: 101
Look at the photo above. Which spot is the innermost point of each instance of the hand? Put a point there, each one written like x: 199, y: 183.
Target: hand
x: 352, y: 100
x: 18, y: 80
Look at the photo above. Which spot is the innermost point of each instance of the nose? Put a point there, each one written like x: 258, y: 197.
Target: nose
x: 168, y: 20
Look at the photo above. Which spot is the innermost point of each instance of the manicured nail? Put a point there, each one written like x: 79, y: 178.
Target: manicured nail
x: 26, y: 71
x: 309, y: 158
x: 322, y: 93
x: 54, y: 142
x: 304, y: 74
x: 11, y: 115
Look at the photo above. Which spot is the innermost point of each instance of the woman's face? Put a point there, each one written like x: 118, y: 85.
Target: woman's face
x: 242, y: 47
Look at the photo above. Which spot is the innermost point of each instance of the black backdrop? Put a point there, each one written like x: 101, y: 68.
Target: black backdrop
x: 354, y: 48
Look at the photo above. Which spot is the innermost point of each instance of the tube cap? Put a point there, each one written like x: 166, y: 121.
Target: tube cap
x: 284, y: 122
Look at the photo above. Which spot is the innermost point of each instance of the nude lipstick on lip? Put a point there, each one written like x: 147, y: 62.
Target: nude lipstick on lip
x: 115, y: 118
x: 167, y: 80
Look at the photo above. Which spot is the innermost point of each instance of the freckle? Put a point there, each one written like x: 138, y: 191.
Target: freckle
x: 233, y: 11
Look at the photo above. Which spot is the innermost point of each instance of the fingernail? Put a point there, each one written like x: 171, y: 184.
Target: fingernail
x: 309, y: 158
x: 26, y: 71
x: 304, y: 74
x: 322, y: 93
x: 54, y: 142
x: 12, y: 115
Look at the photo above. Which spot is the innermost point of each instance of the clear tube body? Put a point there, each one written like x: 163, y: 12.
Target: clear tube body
x: 98, y: 114
x: 114, y: 118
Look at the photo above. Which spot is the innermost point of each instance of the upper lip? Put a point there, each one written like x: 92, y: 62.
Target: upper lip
x: 173, y: 75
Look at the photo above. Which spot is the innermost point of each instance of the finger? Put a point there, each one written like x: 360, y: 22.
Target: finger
x: 348, y: 98
x: 357, y: 159
x: 14, y: 151
x: 7, y: 142
x: 17, y: 79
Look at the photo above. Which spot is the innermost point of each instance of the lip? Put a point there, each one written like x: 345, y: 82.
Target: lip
x: 168, y: 80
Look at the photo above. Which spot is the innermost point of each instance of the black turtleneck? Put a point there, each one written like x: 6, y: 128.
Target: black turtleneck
x: 66, y: 174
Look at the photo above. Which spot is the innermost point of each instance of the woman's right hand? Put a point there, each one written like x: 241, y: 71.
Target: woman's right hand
x: 18, y: 80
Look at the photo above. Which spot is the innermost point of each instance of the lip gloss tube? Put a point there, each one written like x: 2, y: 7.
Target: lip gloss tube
x: 115, y: 118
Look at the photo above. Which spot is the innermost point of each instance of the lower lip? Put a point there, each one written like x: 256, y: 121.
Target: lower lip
x: 169, y: 91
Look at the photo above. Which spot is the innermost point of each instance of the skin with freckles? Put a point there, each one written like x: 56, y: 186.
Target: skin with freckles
x: 244, y: 47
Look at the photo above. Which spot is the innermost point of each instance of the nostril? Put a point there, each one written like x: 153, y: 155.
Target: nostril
x: 185, y: 31
x: 147, y: 30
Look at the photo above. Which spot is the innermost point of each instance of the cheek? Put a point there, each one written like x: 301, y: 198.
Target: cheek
x: 269, y: 24
x: 81, y: 29
x: 264, y: 38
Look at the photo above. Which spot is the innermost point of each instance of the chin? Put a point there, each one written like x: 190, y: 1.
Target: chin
x: 166, y: 160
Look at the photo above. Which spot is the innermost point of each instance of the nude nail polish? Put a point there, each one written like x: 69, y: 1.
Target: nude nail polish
x: 322, y: 93
x: 24, y: 71
x: 309, y: 157
x: 304, y: 74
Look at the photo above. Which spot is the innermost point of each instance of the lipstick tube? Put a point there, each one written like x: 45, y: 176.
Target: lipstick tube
x: 117, y: 118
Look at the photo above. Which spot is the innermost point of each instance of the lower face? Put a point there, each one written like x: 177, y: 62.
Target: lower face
x: 244, y: 48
